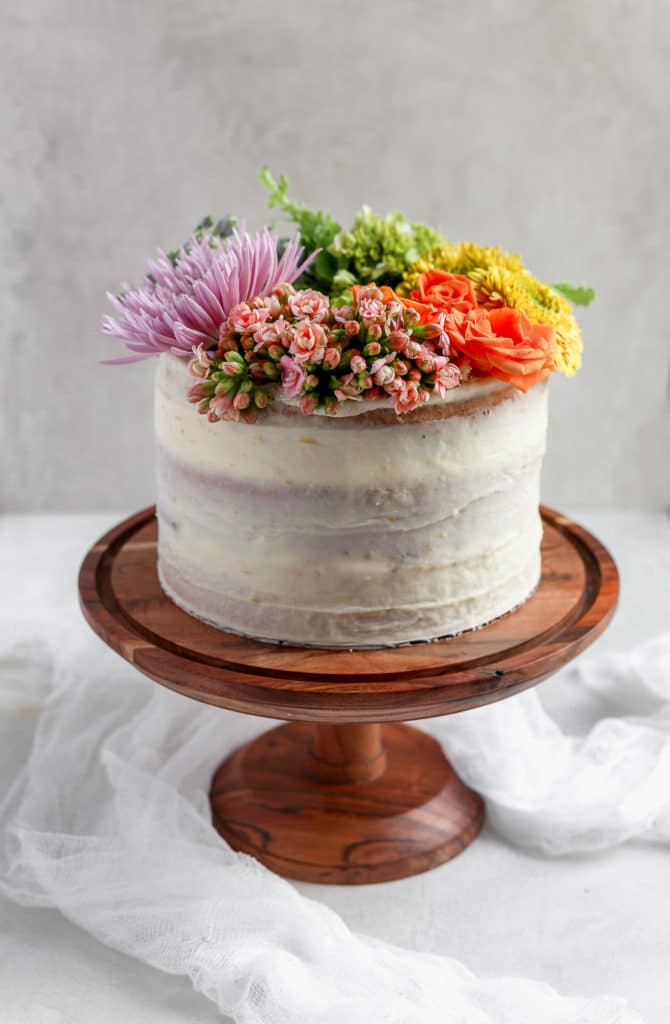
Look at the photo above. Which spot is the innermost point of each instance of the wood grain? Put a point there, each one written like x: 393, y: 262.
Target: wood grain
x: 413, y: 816
x: 123, y: 602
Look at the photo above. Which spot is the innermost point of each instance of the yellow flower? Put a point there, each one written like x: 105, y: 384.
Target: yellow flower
x: 500, y: 279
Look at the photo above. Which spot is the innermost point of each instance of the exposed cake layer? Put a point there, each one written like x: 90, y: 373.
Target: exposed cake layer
x: 360, y: 532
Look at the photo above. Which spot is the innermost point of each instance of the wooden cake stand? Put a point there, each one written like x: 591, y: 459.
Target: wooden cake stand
x: 337, y: 796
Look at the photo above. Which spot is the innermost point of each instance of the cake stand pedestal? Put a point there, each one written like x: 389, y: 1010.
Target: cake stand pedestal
x: 344, y: 794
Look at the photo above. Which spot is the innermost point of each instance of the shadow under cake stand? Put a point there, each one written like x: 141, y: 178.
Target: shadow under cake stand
x: 343, y: 793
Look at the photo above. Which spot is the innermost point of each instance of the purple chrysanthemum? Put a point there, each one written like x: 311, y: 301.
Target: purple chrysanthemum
x: 184, y: 303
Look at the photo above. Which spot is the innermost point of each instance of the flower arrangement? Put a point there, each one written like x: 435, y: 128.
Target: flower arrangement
x: 387, y: 311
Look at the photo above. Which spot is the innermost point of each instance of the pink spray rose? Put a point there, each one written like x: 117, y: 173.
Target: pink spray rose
x: 446, y: 377
x: 292, y: 376
x: 409, y: 397
x: 371, y: 309
x: 270, y: 333
x: 244, y: 320
x: 201, y: 362
x: 308, y: 342
x: 310, y: 305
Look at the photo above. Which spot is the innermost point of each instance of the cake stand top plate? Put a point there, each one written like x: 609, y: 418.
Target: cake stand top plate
x: 122, y: 600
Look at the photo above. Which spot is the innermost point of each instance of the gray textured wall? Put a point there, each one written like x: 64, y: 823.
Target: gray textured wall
x: 541, y: 126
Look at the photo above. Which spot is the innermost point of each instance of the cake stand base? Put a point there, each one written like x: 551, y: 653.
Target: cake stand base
x: 344, y: 803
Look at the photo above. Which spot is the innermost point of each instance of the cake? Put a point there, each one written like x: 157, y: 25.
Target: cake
x: 360, y: 529
x: 347, y: 455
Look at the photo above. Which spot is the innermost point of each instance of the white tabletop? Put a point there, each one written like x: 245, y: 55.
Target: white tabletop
x: 587, y: 924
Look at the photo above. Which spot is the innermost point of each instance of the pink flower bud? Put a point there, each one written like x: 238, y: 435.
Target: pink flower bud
x: 331, y: 358
x: 358, y: 364
x: 307, y: 405
x: 226, y: 340
x: 352, y: 327
x: 384, y: 375
x: 242, y: 400
x: 283, y: 291
x: 197, y: 392
x: 231, y: 369
x: 398, y: 340
x: 270, y: 369
x: 375, y: 331
x: 220, y: 408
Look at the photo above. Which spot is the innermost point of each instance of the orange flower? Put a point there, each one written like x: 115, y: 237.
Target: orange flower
x: 503, y: 343
x: 446, y: 293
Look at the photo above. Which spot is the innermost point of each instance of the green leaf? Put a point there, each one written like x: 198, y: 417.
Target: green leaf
x: 325, y: 266
x: 344, y: 279
x: 317, y: 229
x: 579, y: 294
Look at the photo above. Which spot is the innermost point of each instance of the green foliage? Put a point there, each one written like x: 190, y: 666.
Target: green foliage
x: 382, y: 248
x: 317, y: 229
x: 578, y: 294
x: 375, y: 249
x: 342, y: 284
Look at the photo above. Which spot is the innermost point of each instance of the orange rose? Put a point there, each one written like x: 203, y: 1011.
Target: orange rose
x: 446, y: 293
x: 503, y: 343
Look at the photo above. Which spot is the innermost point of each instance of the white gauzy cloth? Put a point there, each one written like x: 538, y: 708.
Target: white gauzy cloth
x: 561, y: 794
x: 108, y: 821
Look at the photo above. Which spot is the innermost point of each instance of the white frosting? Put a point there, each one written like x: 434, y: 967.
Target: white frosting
x: 349, y: 534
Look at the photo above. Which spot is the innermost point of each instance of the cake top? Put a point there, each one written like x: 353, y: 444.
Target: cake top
x: 389, y: 311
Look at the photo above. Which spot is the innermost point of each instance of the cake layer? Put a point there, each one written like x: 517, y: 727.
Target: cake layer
x: 363, y: 531
x: 352, y: 626
x: 287, y: 448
